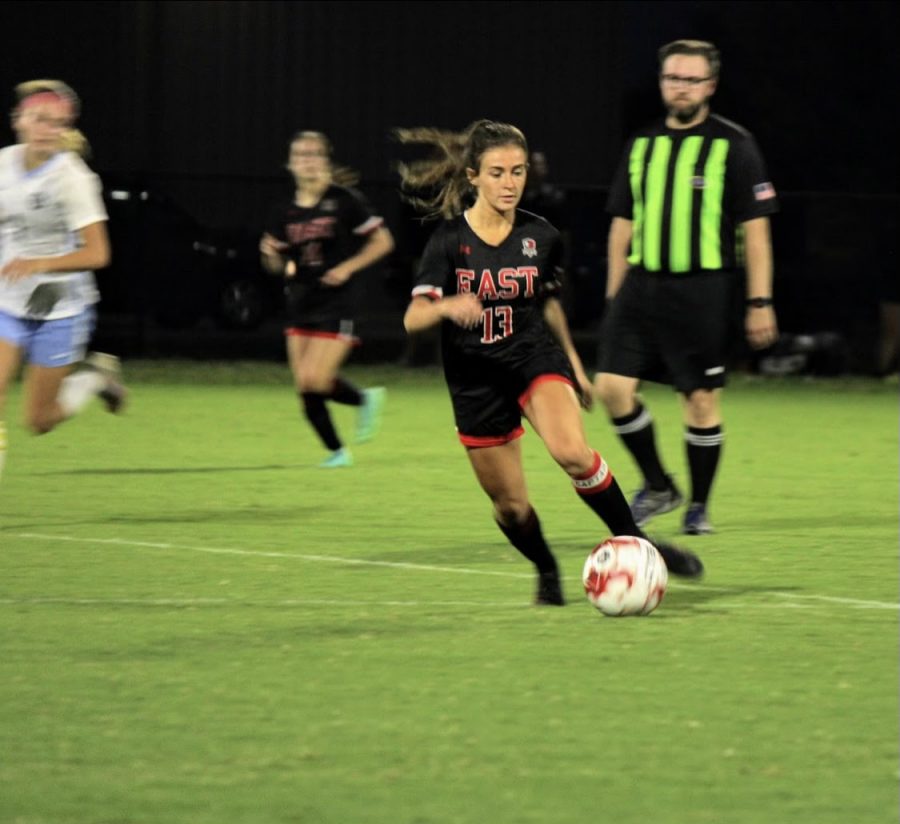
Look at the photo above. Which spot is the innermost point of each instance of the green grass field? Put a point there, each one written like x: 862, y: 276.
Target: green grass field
x: 198, y: 625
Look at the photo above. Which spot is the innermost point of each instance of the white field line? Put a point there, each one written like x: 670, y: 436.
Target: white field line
x: 334, y: 559
x: 191, y: 603
x: 297, y: 556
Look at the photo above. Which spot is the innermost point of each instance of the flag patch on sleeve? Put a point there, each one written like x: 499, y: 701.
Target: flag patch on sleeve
x: 764, y: 191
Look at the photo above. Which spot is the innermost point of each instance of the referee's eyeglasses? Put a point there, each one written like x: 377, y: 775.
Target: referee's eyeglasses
x: 678, y: 80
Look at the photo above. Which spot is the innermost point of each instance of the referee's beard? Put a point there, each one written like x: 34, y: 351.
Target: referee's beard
x: 687, y: 115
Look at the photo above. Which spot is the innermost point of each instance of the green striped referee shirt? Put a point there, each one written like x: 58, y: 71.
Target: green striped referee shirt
x: 687, y: 191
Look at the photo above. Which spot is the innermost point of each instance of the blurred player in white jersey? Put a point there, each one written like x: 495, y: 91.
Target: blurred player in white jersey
x: 52, y: 235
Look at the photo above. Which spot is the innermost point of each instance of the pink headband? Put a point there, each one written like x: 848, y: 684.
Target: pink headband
x: 47, y: 97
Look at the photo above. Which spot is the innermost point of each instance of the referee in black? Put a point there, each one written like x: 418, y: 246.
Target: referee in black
x: 686, y: 188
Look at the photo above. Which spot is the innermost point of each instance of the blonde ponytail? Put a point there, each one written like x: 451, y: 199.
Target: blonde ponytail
x: 74, y: 141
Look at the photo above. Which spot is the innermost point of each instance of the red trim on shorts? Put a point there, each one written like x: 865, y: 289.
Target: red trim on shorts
x: 526, y: 395
x: 479, y: 442
x: 297, y: 332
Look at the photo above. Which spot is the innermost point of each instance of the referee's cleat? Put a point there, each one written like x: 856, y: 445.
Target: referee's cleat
x: 113, y: 394
x: 549, y: 590
x: 648, y: 503
x: 368, y: 418
x: 696, y: 522
x: 337, y: 459
x: 679, y: 561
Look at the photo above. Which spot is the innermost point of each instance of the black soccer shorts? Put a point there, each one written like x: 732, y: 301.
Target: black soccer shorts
x: 669, y: 328
x: 488, y: 393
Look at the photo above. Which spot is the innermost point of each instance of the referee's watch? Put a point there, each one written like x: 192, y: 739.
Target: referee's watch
x: 759, y: 303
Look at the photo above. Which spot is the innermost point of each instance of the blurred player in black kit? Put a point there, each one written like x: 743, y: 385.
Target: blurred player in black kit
x: 490, y: 277
x: 318, y: 242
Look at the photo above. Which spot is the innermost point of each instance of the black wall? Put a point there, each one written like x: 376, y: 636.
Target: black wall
x: 191, y: 91
x: 199, y: 99
x: 206, y: 94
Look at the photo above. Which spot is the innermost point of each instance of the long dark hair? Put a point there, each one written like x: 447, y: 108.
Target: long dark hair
x: 441, y: 182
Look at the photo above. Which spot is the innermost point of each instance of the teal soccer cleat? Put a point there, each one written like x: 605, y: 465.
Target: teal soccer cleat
x: 337, y: 459
x: 368, y: 419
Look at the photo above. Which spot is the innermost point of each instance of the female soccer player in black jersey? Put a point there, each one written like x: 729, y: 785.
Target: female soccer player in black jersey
x: 318, y: 241
x: 489, y: 276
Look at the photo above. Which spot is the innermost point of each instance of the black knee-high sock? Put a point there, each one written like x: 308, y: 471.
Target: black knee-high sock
x: 637, y: 433
x: 345, y: 392
x: 528, y: 538
x: 317, y: 414
x: 704, y: 447
x: 612, y: 508
x: 600, y: 491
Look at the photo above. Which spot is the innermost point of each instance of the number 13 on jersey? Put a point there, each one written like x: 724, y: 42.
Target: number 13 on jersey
x: 497, y: 323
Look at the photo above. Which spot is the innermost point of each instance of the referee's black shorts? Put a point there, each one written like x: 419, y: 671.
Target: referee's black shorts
x: 669, y: 328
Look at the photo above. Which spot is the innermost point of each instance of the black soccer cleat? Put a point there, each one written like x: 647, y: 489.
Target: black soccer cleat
x: 113, y: 394
x: 679, y: 561
x: 113, y: 397
x: 549, y: 590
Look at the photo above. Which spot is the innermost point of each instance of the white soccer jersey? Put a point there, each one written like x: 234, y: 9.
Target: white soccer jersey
x: 41, y: 212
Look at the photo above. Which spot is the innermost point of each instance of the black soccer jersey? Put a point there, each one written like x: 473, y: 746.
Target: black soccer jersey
x: 512, y: 281
x: 687, y: 191
x: 320, y: 237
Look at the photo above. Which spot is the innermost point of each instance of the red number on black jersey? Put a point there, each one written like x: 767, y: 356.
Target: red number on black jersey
x: 502, y: 328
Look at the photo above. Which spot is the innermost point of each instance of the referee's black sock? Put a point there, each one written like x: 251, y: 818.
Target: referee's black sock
x: 317, y: 414
x: 637, y: 433
x: 704, y: 448
x: 345, y: 392
x: 528, y: 538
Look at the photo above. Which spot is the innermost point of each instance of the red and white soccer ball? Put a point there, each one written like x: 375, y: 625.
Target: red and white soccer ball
x: 625, y: 576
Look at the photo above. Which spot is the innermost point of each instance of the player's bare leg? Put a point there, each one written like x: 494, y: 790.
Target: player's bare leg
x: 10, y: 358
x: 323, y: 359
x: 296, y: 346
x: 54, y: 394
x: 315, y: 363
x: 499, y: 471
x: 43, y: 410
x: 553, y: 410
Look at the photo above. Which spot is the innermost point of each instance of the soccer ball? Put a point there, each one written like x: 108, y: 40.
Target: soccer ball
x: 625, y: 576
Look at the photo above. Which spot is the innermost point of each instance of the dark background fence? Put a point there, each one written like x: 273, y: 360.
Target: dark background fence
x: 193, y: 104
x: 835, y: 262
